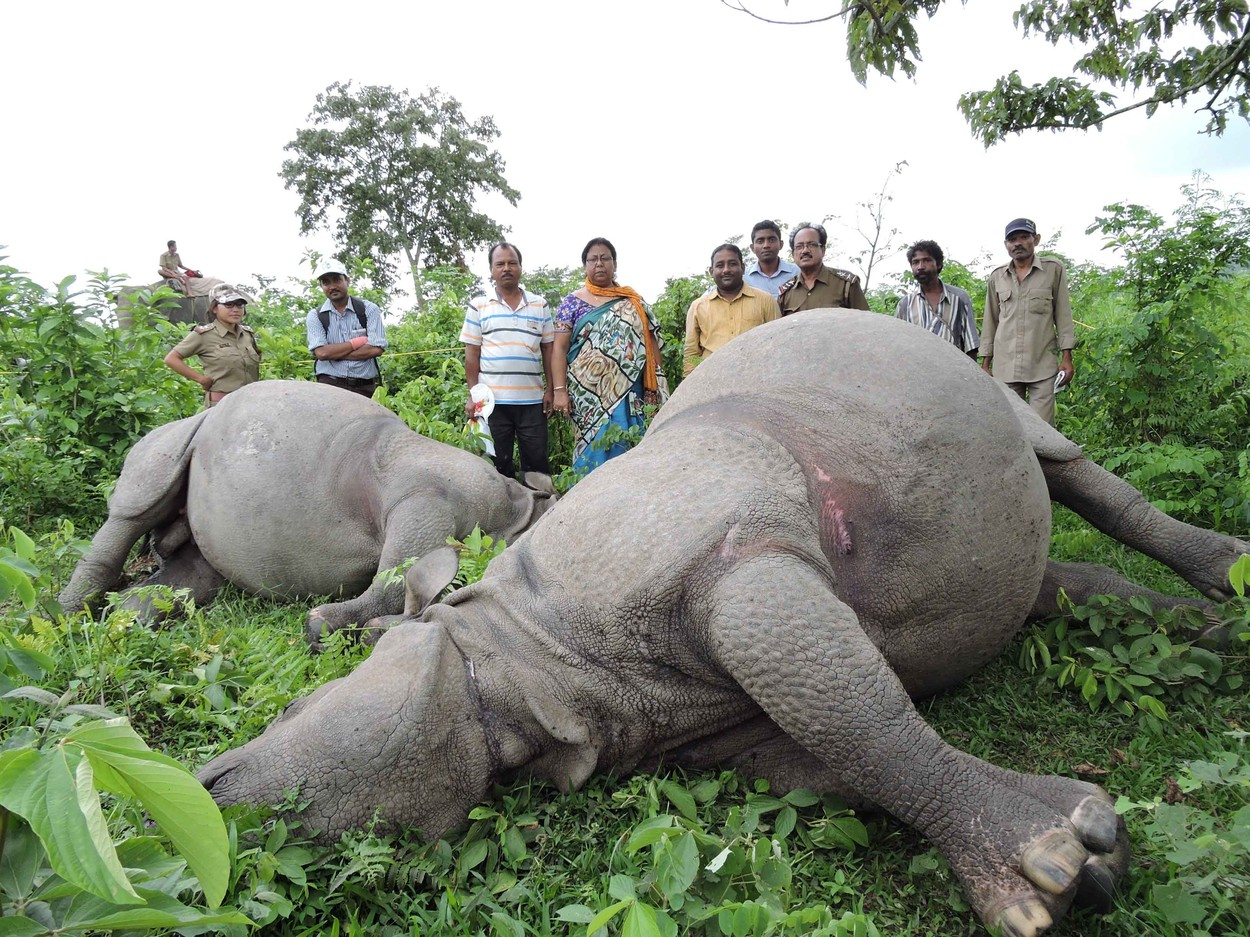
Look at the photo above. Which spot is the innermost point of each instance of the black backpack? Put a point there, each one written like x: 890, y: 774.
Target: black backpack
x: 358, y: 307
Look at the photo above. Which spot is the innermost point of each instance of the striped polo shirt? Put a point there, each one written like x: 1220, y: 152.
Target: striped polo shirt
x: 512, y: 364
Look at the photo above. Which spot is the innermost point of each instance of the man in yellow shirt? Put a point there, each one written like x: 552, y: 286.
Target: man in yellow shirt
x: 728, y: 311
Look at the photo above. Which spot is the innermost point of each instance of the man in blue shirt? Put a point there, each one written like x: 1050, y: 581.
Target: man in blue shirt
x: 769, y: 271
x: 345, y: 348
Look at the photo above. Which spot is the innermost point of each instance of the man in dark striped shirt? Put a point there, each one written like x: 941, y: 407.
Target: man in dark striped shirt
x: 944, y: 310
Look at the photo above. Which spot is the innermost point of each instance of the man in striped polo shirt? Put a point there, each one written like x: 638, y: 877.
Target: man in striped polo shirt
x: 507, y: 346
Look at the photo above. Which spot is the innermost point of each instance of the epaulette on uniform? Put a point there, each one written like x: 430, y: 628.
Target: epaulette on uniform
x: 246, y: 328
x: 845, y: 274
x: 204, y: 328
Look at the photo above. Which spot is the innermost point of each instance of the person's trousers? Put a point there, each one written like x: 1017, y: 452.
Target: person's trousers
x: 365, y: 386
x: 1041, y: 396
x: 525, y: 425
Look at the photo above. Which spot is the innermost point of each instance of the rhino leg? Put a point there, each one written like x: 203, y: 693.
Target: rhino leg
x: 150, y: 493
x: 1082, y: 580
x: 185, y: 568
x: 409, y: 534
x: 1201, y: 557
x: 779, y: 630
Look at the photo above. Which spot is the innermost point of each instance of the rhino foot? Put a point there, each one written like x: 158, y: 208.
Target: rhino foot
x: 1079, y: 859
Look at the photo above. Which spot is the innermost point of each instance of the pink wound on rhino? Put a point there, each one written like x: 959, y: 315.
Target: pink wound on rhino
x: 834, y: 523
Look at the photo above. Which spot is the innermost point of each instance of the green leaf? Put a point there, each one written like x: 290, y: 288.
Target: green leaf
x: 20, y: 926
x: 55, y: 792
x: 801, y: 797
x: 575, y: 914
x: 473, y: 855
x: 785, y: 822
x: 160, y: 910
x: 1177, y: 904
x: 676, y: 865
x: 179, y: 804
x: 680, y: 798
x: 601, y: 919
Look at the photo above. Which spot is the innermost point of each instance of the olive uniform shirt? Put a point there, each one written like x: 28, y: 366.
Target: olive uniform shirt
x: 713, y: 320
x: 1027, y: 323
x: 231, y: 359
x: 833, y: 289
x: 170, y: 261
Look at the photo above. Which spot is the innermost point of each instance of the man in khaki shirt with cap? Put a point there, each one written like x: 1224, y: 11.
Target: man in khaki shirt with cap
x: 723, y: 314
x: 817, y: 286
x: 1028, y: 322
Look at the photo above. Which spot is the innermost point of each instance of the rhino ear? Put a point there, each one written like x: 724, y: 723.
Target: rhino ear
x: 427, y: 577
x: 539, y: 481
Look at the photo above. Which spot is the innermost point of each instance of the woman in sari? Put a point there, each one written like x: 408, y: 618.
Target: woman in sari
x: 606, y: 361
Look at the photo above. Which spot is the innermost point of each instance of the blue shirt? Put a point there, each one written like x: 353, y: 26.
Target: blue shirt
x: 343, y: 326
x: 771, y: 285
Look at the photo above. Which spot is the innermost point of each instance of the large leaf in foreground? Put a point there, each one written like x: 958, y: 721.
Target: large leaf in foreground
x: 170, y: 793
x: 55, y: 792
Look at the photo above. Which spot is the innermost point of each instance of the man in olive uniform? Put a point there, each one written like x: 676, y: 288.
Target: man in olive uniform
x: 1028, y: 322
x: 171, y: 266
x: 226, y: 347
x: 817, y: 286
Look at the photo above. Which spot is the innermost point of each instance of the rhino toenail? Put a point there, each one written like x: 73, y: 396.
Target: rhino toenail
x: 1053, y: 862
x: 1096, y: 821
x: 1024, y: 918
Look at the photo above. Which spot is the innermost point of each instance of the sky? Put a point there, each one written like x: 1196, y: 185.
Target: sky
x: 665, y: 126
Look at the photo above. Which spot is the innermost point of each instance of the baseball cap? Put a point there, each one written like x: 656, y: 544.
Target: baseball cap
x: 1021, y: 224
x: 225, y: 293
x: 329, y: 267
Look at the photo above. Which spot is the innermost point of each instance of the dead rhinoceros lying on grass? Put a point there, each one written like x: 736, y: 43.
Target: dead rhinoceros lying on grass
x: 765, y: 583
x: 293, y: 489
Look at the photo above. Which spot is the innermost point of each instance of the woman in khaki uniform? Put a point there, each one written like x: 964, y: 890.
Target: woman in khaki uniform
x: 226, y: 348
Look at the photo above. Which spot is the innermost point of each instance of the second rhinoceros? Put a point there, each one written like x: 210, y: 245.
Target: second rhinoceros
x: 836, y: 513
x: 292, y: 489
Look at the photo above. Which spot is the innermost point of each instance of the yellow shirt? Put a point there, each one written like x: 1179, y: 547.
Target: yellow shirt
x: 1027, y: 323
x: 170, y: 261
x: 713, y: 320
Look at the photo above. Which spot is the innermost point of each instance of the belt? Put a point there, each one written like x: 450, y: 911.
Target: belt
x: 351, y: 381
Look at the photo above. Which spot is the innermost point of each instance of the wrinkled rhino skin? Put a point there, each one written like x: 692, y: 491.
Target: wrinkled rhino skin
x: 293, y: 489
x: 836, y: 513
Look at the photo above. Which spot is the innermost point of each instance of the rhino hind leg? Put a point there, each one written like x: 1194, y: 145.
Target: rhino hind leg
x: 150, y: 493
x: 775, y: 625
x: 186, y: 568
x: 1201, y: 557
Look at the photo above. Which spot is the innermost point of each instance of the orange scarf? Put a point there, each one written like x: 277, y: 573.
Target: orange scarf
x: 653, y: 352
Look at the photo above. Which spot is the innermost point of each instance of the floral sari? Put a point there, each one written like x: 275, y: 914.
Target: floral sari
x: 607, y: 361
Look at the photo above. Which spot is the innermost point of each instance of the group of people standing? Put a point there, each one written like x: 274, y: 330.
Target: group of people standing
x: 596, y: 360
x: 1028, y: 332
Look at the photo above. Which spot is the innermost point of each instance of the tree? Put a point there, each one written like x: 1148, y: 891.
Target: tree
x: 388, y: 173
x: 1141, y: 51
x: 878, y: 243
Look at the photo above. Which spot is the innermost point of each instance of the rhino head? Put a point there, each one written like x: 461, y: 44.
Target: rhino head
x: 401, y: 737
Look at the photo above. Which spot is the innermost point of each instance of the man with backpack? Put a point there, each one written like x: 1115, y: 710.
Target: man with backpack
x: 345, y: 334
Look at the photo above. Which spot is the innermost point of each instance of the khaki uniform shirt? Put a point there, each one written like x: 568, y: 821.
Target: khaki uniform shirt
x: 1027, y: 323
x: 833, y: 289
x: 231, y: 359
x: 170, y: 261
x: 713, y: 320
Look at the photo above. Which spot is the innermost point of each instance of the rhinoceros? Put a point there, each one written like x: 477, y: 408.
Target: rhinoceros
x: 293, y: 489
x: 835, y: 514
